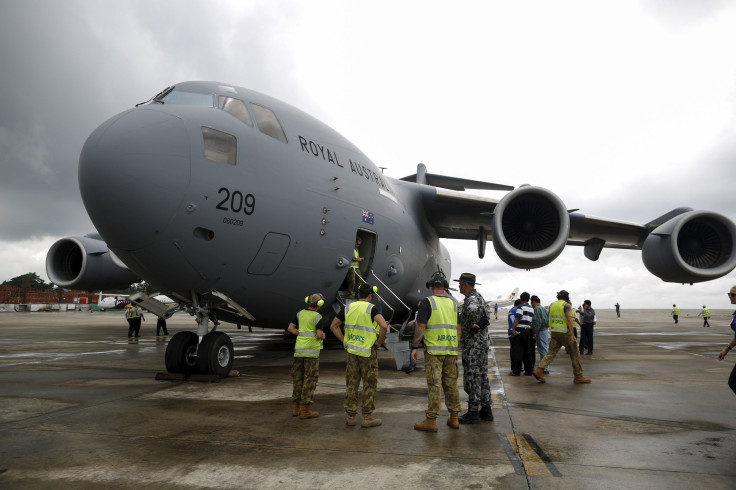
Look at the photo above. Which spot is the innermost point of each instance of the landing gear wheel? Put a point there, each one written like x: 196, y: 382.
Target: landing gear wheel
x: 216, y: 354
x: 181, y: 353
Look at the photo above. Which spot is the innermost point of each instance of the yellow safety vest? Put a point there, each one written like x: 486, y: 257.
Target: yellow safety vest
x: 557, y: 317
x: 133, y: 312
x: 307, y: 343
x: 706, y: 313
x: 676, y: 311
x: 440, y: 336
x: 360, y: 332
x: 355, y: 263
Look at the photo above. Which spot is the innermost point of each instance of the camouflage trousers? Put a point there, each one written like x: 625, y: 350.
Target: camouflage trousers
x: 475, y: 370
x: 304, y: 373
x: 556, y: 342
x: 441, y: 374
x: 366, y: 369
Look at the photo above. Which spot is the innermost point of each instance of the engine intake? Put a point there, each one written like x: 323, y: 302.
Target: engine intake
x: 693, y: 247
x: 530, y: 227
x: 85, y: 263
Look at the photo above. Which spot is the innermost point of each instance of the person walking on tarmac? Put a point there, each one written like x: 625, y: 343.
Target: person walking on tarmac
x: 706, y: 316
x: 437, y: 323
x: 561, y: 331
x: 675, y: 313
x: 307, y: 326
x: 365, y: 331
x: 474, y: 341
x: 134, y: 315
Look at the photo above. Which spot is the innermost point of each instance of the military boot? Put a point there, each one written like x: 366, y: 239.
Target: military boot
x: 306, y: 413
x: 452, y: 421
x: 486, y: 413
x: 295, y: 410
x: 539, y: 374
x: 369, y: 421
x: 350, y: 420
x: 581, y: 380
x: 470, y: 417
x: 429, y: 425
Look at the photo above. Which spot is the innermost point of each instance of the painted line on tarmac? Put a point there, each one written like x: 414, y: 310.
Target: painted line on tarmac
x: 526, y: 456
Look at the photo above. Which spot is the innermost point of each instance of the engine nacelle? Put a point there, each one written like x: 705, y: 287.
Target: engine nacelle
x: 693, y: 247
x: 85, y: 263
x: 530, y: 227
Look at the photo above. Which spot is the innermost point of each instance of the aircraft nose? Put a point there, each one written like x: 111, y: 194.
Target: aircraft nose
x: 133, y: 172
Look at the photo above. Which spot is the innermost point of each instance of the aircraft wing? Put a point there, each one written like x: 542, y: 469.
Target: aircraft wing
x: 530, y: 226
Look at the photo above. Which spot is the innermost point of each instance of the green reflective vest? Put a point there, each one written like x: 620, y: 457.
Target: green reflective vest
x: 307, y: 343
x: 133, y: 312
x: 557, y: 317
x: 355, y: 263
x: 440, y: 336
x: 360, y: 331
x: 706, y: 313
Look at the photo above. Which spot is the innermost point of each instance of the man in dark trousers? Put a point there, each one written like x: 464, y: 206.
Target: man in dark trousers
x: 522, y: 339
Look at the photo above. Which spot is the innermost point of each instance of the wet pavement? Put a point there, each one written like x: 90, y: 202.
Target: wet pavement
x: 79, y: 407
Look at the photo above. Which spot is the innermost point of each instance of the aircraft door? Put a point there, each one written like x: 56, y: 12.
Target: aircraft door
x: 367, y: 250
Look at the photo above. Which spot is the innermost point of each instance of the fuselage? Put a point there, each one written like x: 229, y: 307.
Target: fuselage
x: 229, y: 190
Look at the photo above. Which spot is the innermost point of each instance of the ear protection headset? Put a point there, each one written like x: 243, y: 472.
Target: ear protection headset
x: 317, y: 300
x: 438, y: 277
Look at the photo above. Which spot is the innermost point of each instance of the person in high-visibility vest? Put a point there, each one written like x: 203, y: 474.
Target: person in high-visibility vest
x: 365, y: 331
x: 675, y: 312
x: 706, y: 315
x: 437, y: 323
x: 353, y: 270
x: 307, y: 326
x: 134, y: 315
x: 561, y: 332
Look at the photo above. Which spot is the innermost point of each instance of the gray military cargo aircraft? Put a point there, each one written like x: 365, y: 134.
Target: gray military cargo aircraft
x: 239, y: 205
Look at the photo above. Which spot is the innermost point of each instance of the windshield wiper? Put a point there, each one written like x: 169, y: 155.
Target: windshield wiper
x: 157, y: 98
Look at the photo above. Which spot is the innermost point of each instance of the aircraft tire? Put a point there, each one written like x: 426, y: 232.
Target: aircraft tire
x: 181, y: 353
x: 216, y: 354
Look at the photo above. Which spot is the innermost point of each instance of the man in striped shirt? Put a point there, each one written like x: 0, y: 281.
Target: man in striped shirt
x: 522, y: 340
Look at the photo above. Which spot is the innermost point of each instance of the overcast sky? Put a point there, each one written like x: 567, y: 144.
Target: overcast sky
x: 625, y: 109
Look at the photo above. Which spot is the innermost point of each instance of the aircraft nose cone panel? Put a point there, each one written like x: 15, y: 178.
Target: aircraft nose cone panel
x: 133, y: 172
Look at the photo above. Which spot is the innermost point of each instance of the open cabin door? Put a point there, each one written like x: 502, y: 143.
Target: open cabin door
x: 367, y: 250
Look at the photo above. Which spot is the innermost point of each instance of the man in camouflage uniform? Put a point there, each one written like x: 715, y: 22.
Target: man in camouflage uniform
x: 474, y: 342
x: 361, y: 340
x: 307, y: 326
x: 437, y: 323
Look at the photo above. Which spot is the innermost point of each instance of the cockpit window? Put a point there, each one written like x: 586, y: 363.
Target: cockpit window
x: 267, y: 122
x: 236, y: 107
x: 180, y: 97
x: 219, y: 146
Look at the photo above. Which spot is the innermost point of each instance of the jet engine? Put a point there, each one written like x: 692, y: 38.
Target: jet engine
x: 693, y: 247
x: 530, y: 227
x: 85, y: 263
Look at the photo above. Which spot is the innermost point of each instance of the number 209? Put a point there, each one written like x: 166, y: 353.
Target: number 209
x: 235, y: 201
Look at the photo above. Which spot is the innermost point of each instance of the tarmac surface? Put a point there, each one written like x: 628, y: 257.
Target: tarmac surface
x: 80, y: 408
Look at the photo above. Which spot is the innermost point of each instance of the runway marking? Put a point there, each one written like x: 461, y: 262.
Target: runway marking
x: 527, y: 457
